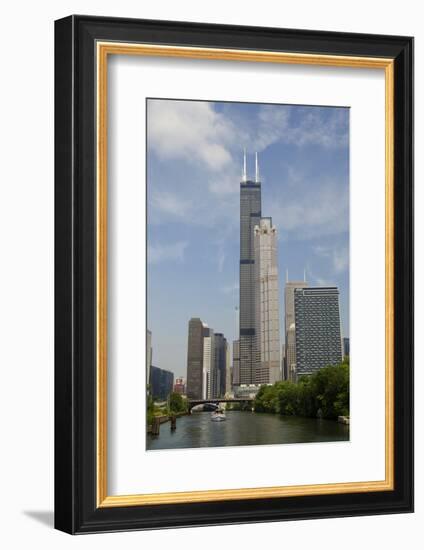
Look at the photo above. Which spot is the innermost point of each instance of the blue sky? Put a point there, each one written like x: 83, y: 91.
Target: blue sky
x: 194, y: 165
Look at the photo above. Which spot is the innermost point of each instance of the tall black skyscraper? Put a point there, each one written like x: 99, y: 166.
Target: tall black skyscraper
x: 220, y: 365
x: 250, y: 215
x: 196, y: 332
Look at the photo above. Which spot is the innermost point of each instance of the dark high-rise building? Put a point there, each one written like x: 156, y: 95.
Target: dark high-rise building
x: 161, y: 383
x: 317, y: 328
x: 236, y: 363
x: 196, y: 332
x: 346, y: 347
x: 283, y: 363
x: 250, y: 215
x: 219, y: 373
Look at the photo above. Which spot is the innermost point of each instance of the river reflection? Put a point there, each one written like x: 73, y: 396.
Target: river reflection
x: 245, y: 428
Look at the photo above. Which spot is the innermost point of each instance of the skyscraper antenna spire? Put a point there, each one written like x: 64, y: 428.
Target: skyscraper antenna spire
x: 304, y: 275
x: 257, y: 167
x: 244, y: 175
x: 287, y: 275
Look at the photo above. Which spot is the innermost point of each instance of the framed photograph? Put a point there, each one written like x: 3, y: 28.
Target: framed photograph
x: 234, y: 274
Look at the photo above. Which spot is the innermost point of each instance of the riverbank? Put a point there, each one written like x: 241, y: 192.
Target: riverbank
x: 162, y: 419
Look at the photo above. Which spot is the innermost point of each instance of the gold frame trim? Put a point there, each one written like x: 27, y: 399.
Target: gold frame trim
x: 104, y: 49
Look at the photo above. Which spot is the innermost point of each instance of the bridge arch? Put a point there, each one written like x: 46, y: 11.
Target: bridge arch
x: 216, y: 401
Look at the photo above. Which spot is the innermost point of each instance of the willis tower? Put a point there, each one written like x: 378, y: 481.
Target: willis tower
x: 250, y: 215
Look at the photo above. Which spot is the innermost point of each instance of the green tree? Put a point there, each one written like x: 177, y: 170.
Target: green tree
x: 177, y: 403
x: 325, y: 394
x: 150, y: 406
x: 267, y: 399
x: 331, y: 388
x: 289, y: 398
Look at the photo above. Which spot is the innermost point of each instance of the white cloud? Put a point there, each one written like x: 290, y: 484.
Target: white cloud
x: 196, y: 132
x: 191, y: 130
x: 341, y: 259
x: 338, y: 255
x: 330, y: 131
x: 277, y: 123
x: 166, y: 252
x: 210, y: 143
x: 307, y: 211
x: 225, y: 183
x: 170, y: 203
x: 272, y: 125
x: 318, y: 279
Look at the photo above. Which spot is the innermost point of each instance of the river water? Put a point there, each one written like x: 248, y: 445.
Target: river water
x: 245, y: 428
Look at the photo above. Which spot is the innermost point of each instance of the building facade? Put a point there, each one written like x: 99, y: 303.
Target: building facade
x: 228, y: 372
x: 219, y: 373
x: 267, y: 309
x: 236, y: 363
x: 250, y: 215
x: 317, y: 329
x: 208, y: 362
x: 196, y: 333
x: 283, y: 362
x: 180, y: 386
x: 161, y: 383
x: 290, y: 333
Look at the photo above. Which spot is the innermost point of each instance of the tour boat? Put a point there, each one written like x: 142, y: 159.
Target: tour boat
x: 218, y: 416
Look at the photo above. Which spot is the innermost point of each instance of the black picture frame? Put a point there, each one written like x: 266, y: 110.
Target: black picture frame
x: 76, y: 510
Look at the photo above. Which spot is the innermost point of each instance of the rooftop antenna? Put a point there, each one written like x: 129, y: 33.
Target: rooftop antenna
x: 257, y: 167
x: 287, y: 275
x: 304, y: 275
x: 244, y: 175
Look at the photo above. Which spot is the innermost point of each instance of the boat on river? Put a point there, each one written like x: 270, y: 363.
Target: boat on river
x: 218, y: 416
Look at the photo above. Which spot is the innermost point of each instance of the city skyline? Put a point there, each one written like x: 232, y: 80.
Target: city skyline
x: 193, y: 210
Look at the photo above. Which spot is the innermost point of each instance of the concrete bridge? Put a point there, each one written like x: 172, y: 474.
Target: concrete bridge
x: 216, y: 401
